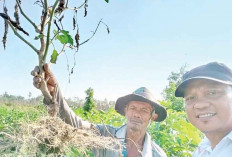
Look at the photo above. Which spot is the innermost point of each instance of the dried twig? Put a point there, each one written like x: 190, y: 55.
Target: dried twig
x: 58, y: 28
x: 63, y: 49
x: 26, y: 17
x: 93, y: 33
x: 60, y: 19
x: 24, y: 40
x: 66, y: 4
x: 69, y: 74
x: 76, y: 8
x: 39, y: 2
x: 108, y: 29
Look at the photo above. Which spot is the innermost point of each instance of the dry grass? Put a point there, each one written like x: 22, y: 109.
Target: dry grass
x: 52, y: 136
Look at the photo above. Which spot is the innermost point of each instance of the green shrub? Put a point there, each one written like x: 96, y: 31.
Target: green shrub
x: 12, y: 116
x: 176, y: 135
x: 89, y: 101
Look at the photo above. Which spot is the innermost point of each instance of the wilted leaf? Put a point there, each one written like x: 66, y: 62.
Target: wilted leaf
x: 19, y: 28
x: 86, y: 5
x: 77, y: 38
x: 65, y: 38
x: 54, y: 56
x: 6, y: 29
x: 60, y: 6
x: 72, y: 71
x: 5, y: 16
x: 85, y: 11
x: 74, y: 23
x: 14, y: 23
x: 108, y: 30
x: 61, y: 18
x: 16, y: 14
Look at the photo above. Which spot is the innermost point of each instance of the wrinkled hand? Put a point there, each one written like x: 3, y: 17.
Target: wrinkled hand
x: 46, y: 84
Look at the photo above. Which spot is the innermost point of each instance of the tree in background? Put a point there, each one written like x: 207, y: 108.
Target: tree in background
x: 175, y: 135
x: 89, y: 101
x: 174, y: 80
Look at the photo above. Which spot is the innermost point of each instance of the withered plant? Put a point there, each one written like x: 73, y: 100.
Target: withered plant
x: 51, y: 132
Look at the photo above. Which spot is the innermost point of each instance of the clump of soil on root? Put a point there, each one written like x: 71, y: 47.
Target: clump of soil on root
x: 50, y: 135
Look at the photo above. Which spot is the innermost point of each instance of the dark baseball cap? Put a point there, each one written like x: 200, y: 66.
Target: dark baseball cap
x: 214, y: 71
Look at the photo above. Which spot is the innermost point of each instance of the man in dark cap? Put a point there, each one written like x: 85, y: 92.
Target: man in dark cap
x: 139, y: 108
x: 207, y: 91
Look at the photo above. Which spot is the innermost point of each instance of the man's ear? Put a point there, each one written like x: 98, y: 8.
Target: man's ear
x: 154, y: 116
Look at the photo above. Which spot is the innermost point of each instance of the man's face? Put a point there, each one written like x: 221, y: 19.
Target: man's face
x: 138, y: 115
x: 209, y: 106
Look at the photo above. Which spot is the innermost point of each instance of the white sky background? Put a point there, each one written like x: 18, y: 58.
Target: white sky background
x: 148, y: 40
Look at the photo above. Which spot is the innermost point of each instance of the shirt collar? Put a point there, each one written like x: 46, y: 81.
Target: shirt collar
x: 147, y: 149
x: 121, y: 133
x: 205, y: 144
x: 229, y: 136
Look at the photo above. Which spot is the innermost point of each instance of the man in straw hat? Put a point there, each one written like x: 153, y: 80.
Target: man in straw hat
x: 207, y: 91
x: 139, y: 108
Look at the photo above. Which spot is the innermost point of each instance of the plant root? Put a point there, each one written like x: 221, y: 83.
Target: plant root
x: 52, y: 136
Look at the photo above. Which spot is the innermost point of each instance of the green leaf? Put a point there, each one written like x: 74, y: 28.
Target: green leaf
x: 54, y: 56
x: 65, y: 38
x: 38, y: 37
x: 107, y: 1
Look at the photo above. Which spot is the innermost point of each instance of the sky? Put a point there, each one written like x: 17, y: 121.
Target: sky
x: 148, y: 40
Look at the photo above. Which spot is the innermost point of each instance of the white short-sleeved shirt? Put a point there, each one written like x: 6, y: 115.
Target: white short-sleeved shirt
x: 222, y: 149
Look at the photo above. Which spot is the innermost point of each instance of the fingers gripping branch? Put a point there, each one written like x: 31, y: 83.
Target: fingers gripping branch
x: 48, y: 85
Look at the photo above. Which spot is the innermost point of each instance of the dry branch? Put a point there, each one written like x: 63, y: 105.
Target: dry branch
x: 95, y: 32
x: 24, y: 40
x: 26, y: 17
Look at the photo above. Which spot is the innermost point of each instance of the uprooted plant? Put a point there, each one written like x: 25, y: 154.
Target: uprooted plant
x: 51, y: 136
x: 47, y: 133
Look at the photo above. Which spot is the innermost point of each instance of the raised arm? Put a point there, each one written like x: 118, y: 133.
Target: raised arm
x: 53, y: 99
